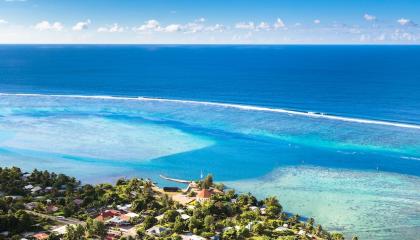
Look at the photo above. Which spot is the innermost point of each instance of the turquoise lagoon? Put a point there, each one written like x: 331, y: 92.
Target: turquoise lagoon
x: 353, y: 175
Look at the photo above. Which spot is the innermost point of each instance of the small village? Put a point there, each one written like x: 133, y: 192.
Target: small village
x: 51, y: 206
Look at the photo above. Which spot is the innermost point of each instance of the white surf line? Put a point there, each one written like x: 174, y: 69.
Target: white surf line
x: 231, y: 105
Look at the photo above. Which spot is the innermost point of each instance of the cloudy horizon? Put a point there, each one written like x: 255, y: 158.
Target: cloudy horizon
x: 45, y: 21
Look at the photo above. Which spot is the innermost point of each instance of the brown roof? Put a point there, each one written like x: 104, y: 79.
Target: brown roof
x: 107, y: 214
x: 204, y: 193
x: 40, y: 236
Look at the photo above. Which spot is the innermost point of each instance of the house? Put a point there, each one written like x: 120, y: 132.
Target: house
x: 78, y: 201
x: 253, y: 208
x: 204, y: 195
x: 160, y: 217
x: 281, y: 229
x: 157, y: 231
x: 124, y: 208
x: 263, y: 210
x: 117, y: 221
x: 128, y: 216
x: 27, y: 234
x: 113, y: 235
x: 62, y: 229
x: 30, y: 206
x: 36, y: 189
x: 216, y: 191
x: 249, y: 226
x: 52, y: 208
x: 26, y: 175
x: 107, y: 214
x: 191, y: 236
x: 28, y: 187
x: 40, y: 236
x: 14, y: 197
x: 185, y: 216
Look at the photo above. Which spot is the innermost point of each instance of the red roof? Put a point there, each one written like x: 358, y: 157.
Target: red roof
x: 40, y: 236
x: 205, y: 193
x: 107, y: 214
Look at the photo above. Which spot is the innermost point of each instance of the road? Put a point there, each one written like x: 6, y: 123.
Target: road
x: 62, y: 220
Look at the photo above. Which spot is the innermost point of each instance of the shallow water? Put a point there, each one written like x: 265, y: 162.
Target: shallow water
x: 353, y: 176
x: 375, y: 205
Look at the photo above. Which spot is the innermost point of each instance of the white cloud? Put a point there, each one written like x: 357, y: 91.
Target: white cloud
x: 15, y: 0
x: 279, y: 24
x: 173, y: 28
x: 81, y: 25
x: 317, y: 21
x: 2, y: 21
x: 111, y: 28
x: 45, y: 25
x: 245, y: 26
x: 406, y: 22
x: 401, y: 35
x: 263, y: 26
x: 216, y: 28
x: 148, y: 26
x: 369, y: 17
x: 193, y: 27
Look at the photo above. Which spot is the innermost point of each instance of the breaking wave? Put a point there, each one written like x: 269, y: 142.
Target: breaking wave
x: 231, y: 105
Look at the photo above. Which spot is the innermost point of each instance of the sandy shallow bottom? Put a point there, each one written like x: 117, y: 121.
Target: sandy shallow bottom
x: 372, y: 204
x: 95, y: 137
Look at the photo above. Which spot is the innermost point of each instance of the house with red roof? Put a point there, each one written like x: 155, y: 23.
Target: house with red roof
x: 107, y: 214
x: 40, y: 236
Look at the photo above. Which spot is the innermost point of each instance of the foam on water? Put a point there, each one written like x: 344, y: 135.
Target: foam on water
x: 237, y: 106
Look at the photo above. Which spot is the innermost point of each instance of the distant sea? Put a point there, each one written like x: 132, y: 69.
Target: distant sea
x: 332, y: 131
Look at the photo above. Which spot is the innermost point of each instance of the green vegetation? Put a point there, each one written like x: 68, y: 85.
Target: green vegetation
x: 155, y: 215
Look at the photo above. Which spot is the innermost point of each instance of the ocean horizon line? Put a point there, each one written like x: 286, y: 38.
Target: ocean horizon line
x: 244, y: 107
x: 205, y: 44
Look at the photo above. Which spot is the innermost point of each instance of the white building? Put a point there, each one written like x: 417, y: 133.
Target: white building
x: 157, y: 230
x: 191, y: 236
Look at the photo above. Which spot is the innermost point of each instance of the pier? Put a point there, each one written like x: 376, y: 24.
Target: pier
x: 175, y: 180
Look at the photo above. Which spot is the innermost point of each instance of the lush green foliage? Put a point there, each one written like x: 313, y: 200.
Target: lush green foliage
x: 229, y: 215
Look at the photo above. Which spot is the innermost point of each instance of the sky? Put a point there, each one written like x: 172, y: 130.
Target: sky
x: 210, y: 21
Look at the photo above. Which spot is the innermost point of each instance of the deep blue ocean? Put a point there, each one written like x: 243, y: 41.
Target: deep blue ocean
x: 378, y: 82
x: 332, y: 131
